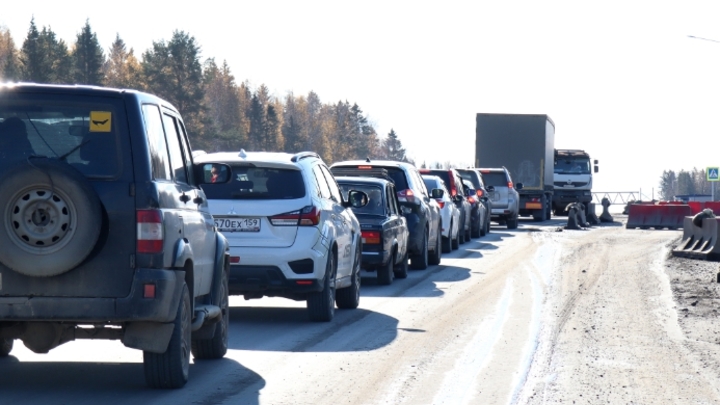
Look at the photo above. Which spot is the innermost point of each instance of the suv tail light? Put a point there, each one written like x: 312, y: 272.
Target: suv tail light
x: 479, y: 193
x: 471, y: 200
x: 371, y: 237
x: 441, y: 203
x: 406, y: 196
x: 510, y: 185
x: 149, y: 231
x: 308, y: 216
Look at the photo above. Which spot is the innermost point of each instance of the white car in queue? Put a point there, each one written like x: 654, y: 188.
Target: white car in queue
x: 449, y: 212
x: 290, y: 231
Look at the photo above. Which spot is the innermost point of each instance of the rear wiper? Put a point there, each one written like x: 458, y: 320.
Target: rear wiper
x: 63, y: 156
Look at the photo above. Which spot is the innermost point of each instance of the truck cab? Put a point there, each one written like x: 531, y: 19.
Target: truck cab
x: 572, y: 178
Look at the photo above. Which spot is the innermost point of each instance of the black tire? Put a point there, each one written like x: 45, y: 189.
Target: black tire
x: 468, y: 238
x: 461, y: 233
x: 512, y: 223
x: 548, y: 211
x: 420, y: 260
x: 401, y: 269
x: 171, y: 369
x: 446, y: 244
x: 321, y: 304
x: 50, y: 218
x: 349, y: 297
x: 385, y: 273
x: 435, y: 257
x: 487, y: 226
x: 6, y: 346
x: 478, y: 229
x: 483, y: 227
x: 216, y: 348
x: 455, y: 242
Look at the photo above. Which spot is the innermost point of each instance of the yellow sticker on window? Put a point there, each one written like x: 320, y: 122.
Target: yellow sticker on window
x: 100, y: 121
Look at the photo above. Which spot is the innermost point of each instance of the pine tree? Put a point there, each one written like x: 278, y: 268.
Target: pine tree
x: 392, y: 148
x: 122, y: 69
x: 34, y: 64
x: 88, y: 58
x: 173, y: 71
x: 223, y: 128
x: 9, y: 62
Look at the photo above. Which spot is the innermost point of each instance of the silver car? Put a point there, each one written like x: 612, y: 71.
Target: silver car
x: 505, y: 199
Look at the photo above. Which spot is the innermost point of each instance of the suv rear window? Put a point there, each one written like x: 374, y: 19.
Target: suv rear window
x: 81, y: 130
x: 256, y: 183
x: 472, y: 176
x: 495, y: 179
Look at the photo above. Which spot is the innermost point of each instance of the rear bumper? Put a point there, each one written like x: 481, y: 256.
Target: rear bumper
x: 163, y: 308
x: 270, y: 281
x: 373, y: 260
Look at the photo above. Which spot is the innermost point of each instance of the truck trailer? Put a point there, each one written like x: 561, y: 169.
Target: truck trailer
x: 525, y: 145
x: 572, y: 179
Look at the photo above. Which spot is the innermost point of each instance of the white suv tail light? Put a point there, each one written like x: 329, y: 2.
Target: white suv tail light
x: 149, y: 231
x: 308, y: 216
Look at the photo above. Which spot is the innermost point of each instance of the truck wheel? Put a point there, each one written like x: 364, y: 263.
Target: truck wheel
x: 349, y: 297
x: 321, y: 304
x: 420, y: 260
x: 512, y: 223
x: 6, y: 346
x: 385, y: 273
x: 216, y: 348
x: 50, y: 218
x: 171, y: 369
x: 401, y: 269
x: 435, y: 256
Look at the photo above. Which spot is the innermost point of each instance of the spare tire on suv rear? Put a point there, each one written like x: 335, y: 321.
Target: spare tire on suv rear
x: 51, y: 218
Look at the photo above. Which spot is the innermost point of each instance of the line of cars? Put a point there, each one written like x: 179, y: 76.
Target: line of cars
x: 301, y: 230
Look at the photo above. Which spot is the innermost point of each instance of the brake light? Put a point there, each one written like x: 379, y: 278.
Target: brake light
x: 510, y: 185
x: 371, y: 237
x: 364, y: 167
x: 535, y: 199
x: 149, y: 231
x: 424, y: 171
x: 471, y: 200
x: 479, y: 193
x: 406, y: 196
x: 441, y: 203
x: 308, y: 216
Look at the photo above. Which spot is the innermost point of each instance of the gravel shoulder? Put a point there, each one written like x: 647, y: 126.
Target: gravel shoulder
x: 626, y: 323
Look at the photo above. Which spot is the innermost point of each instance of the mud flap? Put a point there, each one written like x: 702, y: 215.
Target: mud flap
x: 148, y: 336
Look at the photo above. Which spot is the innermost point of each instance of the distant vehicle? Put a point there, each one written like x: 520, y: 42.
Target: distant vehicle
x: 292, y: 234
x: 504, y: 197
x: 384, y: 229
x: 106, y: 232
x: 454, y: 184
x: 421, y: 211
x: 572, y: 179
x: 475, y: 177
x: 449, y: 212
x: 479, y: 215
x: 524, y: 144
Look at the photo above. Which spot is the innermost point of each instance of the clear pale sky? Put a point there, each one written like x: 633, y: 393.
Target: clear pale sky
x: 621, y: 79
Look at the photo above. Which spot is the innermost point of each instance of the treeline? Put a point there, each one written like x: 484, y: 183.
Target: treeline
x: 220, y: 114
x: 683, y: 183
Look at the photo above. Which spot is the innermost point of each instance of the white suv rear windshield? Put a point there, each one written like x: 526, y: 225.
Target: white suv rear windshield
x: 257, y: 183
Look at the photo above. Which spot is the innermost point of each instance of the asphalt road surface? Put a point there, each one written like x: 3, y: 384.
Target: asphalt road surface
x: 527, y: 316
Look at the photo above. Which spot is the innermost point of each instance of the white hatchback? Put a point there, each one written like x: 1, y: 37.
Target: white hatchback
x: 449, y: 212
x: 290, y: 231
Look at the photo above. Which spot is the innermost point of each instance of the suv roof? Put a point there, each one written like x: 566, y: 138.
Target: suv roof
x: 278, y: 159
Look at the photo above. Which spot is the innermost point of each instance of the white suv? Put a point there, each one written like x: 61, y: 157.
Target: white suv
x: 291, y: 234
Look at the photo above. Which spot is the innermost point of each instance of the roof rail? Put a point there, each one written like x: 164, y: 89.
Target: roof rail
x: 303, y: 155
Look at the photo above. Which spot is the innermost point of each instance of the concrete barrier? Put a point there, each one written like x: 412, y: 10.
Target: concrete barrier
x: 657, y: 216
x: 700, y: 242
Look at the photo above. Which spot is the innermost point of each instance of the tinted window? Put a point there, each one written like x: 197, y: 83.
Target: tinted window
x: 472, y: 176
x: 186, y: 152
x: 495, y: 179
x: 177, y: 160
x: 258, y: 183
x: 83, y: 130
x: 156, y: 142
x: 375, y: 205
x: 398, y: 177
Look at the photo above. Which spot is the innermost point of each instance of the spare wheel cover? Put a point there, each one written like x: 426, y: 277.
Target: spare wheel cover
x: 51, y: 218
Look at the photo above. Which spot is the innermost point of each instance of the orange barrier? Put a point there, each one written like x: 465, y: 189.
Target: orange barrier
x: 700, y: 242
x: 658, y: 216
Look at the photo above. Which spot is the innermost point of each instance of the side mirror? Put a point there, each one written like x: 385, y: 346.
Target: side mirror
x: 519, y: 186
x: 490, y: 189
x: 212, y: 173
x: 356, y: 199
x: 437, y: 193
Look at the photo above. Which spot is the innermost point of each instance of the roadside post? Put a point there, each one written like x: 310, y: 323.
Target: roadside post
x: 713, y: 176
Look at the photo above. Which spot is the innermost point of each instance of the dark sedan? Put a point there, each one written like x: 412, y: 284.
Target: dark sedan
x: 384, y: 229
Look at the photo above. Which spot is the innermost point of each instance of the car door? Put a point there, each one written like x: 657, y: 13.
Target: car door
x: 399, y: 224
x: 344, y: 220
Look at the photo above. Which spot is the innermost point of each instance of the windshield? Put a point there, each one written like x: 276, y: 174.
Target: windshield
x: 572, y: 166
x: 256, y: 183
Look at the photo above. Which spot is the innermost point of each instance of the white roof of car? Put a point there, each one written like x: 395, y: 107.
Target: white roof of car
x: 266, y: 159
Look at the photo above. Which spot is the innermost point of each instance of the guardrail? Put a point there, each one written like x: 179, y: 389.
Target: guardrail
x: 617, y: 197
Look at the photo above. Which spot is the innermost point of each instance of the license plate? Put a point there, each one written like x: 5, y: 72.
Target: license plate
x: 533, y: 206
x: 238, y: 224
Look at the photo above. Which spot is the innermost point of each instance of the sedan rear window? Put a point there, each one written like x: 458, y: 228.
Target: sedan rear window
x: 375, y: 205
x: 256, y: 183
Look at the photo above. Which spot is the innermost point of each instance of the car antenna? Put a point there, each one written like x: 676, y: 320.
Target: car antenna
x: 367, y: 160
